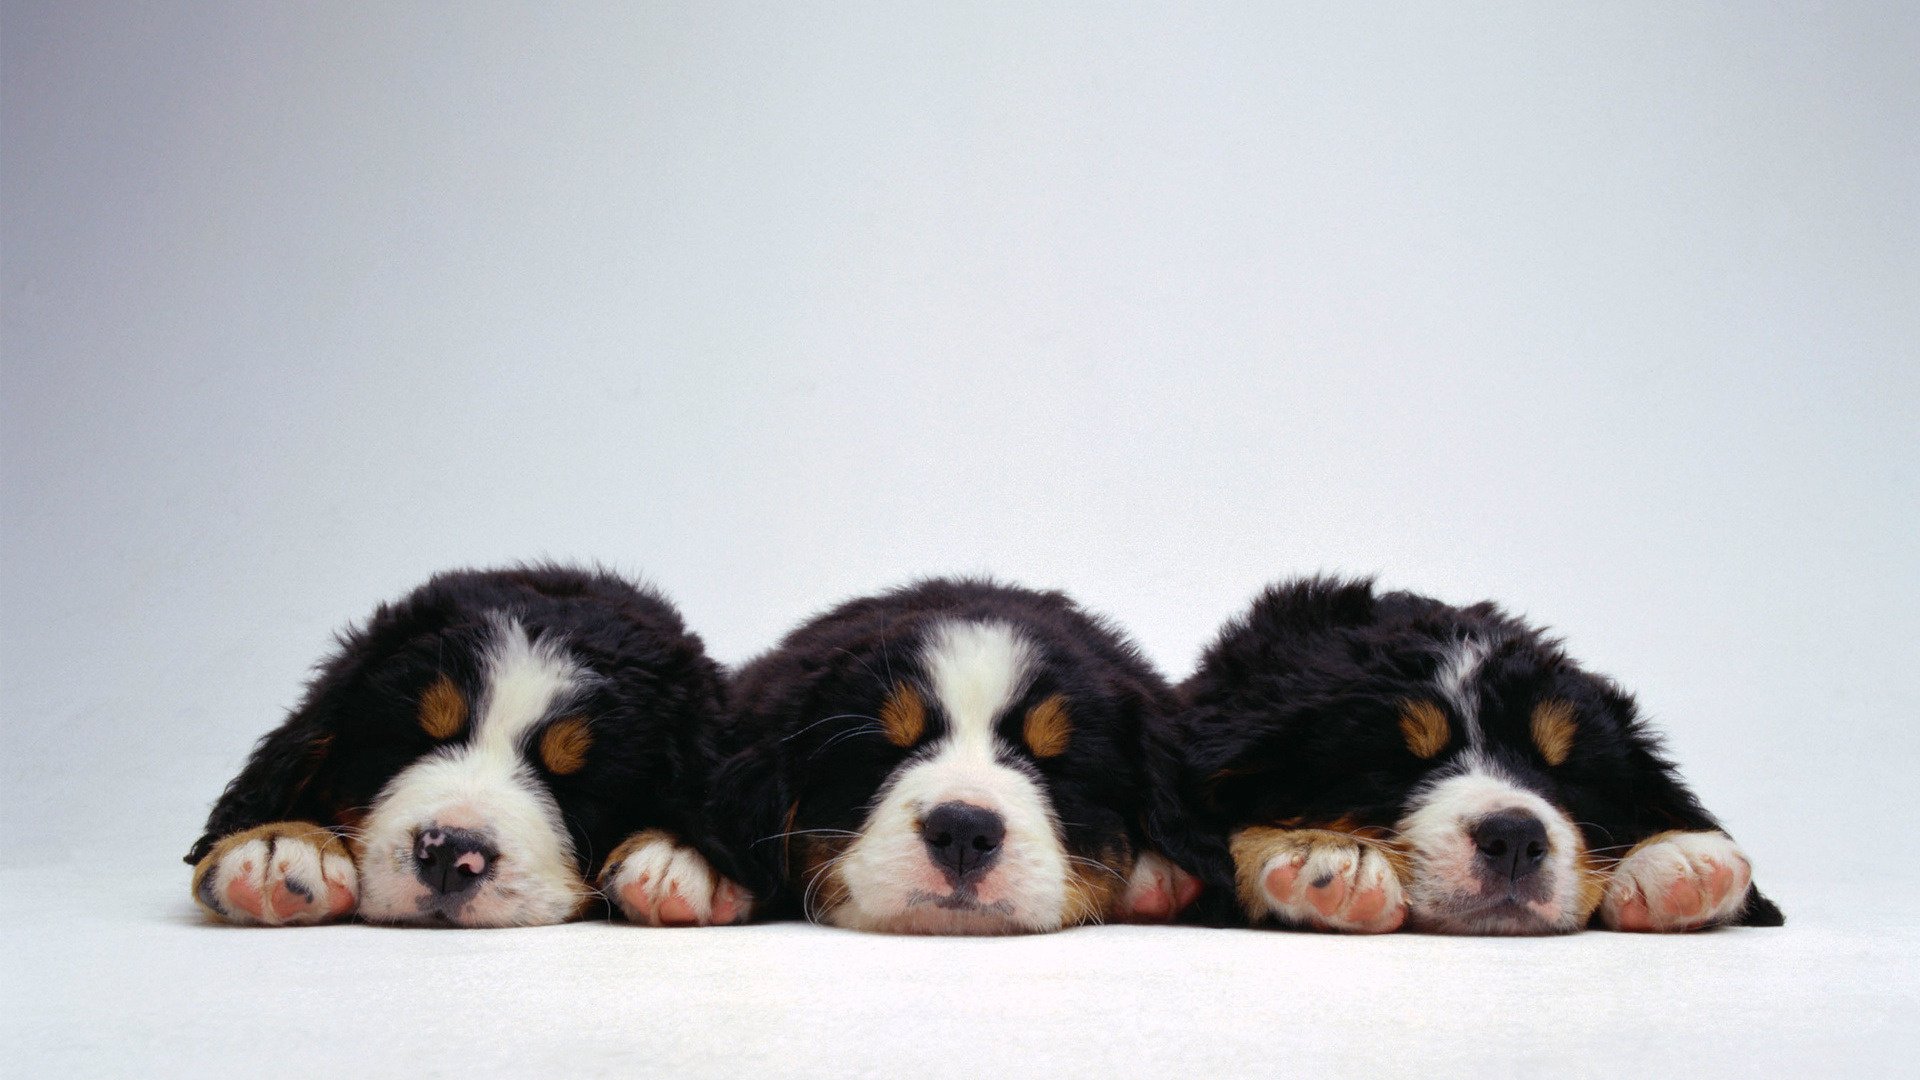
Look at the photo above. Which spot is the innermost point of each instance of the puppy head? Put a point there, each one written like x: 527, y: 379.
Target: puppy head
x: 1535, y: 778
x: 468, y: 772
x: 1508, y: 779
x: 962, y: 782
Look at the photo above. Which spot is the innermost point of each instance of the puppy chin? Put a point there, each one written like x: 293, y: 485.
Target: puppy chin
x: 531, y: 881
x: 391, y: 894
x: 1448, y: 896
x: 1495, y: 917
x: 1011, y: 899
x: 1450, y: 893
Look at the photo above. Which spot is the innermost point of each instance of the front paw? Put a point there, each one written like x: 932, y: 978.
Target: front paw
x: 288, y: 873
x: 1677, y: 881
x: 656, y: 881
x: 1157, y: 890
x: 1319, y: 879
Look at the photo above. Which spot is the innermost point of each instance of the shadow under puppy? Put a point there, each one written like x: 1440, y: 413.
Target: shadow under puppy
x: 1370, y: 761
x: 951, y: 757
x: 472, y: 756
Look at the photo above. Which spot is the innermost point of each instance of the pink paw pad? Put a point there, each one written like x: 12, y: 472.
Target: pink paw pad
x: 638, y: 901
x: 726, y: 903
x: 1154, y: 903
x: 1186, y: 891
x: 288, y: 901
x: 1281, y: 879
x: 242, y: 894
x: 676, y: 911
x: 1328, y: 894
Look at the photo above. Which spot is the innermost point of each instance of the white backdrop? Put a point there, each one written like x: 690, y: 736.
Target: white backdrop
x: 1609, y: 314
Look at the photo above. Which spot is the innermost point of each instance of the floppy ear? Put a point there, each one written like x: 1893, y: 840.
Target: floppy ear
x: 1178, y: 822
x: 747, y: 813
x: 273, y: 786
x: 1663, y: 801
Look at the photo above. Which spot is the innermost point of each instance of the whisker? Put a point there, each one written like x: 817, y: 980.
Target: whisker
x: 830, y: 719
x: 851, y: 733
x: 805, y: 832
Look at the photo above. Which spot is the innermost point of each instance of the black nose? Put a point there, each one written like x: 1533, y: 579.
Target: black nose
x: 451, y: 861
x: 962, y: 839
x: 1512, y: 843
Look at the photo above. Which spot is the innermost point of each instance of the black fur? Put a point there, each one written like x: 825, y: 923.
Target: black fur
x: 807, y: 755
x: 1292, y: 714
x: 652, y: 712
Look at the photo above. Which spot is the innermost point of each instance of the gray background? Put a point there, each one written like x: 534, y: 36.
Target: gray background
x: 1610, y: 313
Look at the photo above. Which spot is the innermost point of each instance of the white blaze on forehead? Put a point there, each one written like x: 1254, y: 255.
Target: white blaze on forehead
x: 526, y: 680
x: 486, y: 785
x: 977, y: 669
x: 975, y: 672
x: 1457, y: 682
x: 1437, y: 825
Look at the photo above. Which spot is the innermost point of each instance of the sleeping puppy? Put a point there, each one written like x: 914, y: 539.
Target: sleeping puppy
x: 952, y: 757
x: 1374, y: 761
x: 472, y: 756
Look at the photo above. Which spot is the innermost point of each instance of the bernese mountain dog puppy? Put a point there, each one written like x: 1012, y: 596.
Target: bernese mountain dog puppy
x: 952, y: 757
x: 1370, y: 761
x: 475, y: 755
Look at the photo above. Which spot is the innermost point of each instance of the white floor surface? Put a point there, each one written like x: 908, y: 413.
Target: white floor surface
x: 109, y: 972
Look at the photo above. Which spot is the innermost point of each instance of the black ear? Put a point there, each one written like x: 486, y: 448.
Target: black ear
x: 1760, y: 911
x: 273, y: 786
x: 1177, y: 822
x: 747, y: 816
x: 1663, y: 802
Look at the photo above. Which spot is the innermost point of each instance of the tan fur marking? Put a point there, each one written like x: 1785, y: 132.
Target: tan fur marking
x: 564, y: 745
x: 1094, y: 887
x: 1424, y: 727
x: 1593, y: 873
x: 630, y: 845
x: 822, y: 887
x: 903, y: 716
x: 1254, y: 847
x: 1553, y: 728
x: 1048, y: 730
x: 443, y: 712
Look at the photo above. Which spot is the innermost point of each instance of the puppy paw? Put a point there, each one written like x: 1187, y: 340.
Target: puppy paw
x: 1677, y: 881
x: 1156, y: 891
x: 656, y: 881
x: 288, y: 873
x: 1320, y: 879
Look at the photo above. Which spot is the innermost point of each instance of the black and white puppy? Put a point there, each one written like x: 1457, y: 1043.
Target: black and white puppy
x: 952, y: 757
x: 1378, y: 760
x: 473, y: 755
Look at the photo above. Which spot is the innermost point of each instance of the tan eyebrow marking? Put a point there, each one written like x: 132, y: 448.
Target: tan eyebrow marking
x: 903, y: 716
x: 563, y: 746
x: 1048, y: 729
x: 1553, y: 730
x: 443, y: 712
x: 1424, y: 727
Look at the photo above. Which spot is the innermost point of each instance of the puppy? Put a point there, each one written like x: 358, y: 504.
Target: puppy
x: 952, y: 757
x: 472, y: 756
x: 1377, y: 761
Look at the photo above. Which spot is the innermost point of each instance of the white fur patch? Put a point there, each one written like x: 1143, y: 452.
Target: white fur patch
x: 1346, y: 887
x: 661, y: 883
x: 282, y: 881
x: 1157, y: 890
x: 1455, y: 682
x: 975, y: 672
x: 486, y: 786
x: 1683, y: 881
x: 1446, y: 893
